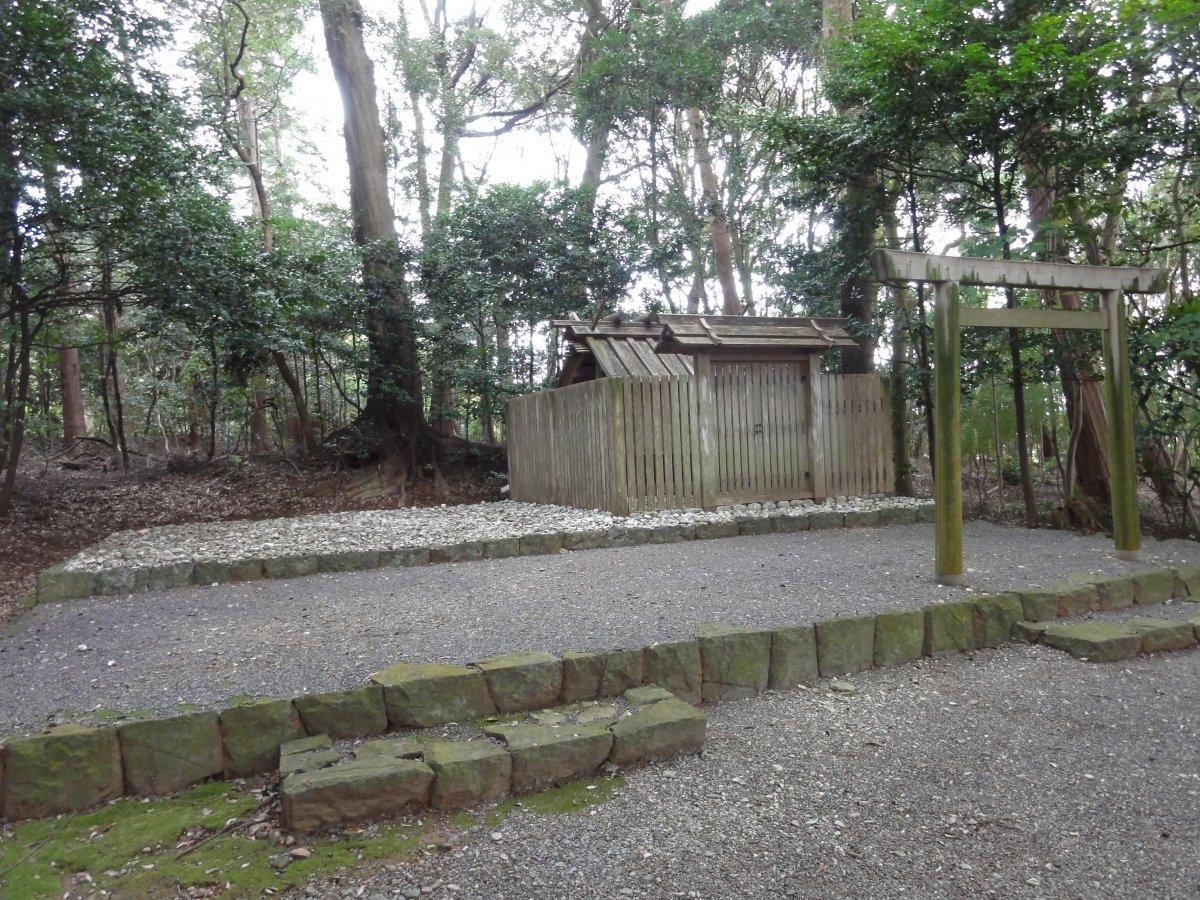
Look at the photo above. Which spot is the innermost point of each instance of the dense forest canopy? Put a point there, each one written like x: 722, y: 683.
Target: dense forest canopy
x: 251, y: 226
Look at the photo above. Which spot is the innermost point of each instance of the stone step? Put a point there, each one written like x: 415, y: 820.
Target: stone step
x: 521, y: 754
x: 1109, y: 641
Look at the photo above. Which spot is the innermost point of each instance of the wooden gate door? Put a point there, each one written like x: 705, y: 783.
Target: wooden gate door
x: 762, y: 411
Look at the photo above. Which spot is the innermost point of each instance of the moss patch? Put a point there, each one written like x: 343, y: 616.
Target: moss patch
x: 568, y: 798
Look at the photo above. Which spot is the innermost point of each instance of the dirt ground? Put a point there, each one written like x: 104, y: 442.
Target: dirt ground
x: 57, y: 511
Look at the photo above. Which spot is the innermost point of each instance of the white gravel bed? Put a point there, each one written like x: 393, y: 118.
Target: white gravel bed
x: 387, y: 530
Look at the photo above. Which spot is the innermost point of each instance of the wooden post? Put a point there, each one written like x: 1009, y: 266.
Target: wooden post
x: 706, y: 394
x: 818, y: 427
x: 618, y: 502
x: 1121, y: 467
x: 948, y: 432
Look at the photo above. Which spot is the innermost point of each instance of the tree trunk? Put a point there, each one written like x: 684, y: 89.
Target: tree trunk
x: 73, y: 420
x: 260, y: 434
x: 393, y: 408
x: 717, y: 228
x: 901, y: 465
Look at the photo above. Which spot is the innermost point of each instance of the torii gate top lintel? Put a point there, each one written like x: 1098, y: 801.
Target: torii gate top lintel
x: 946, y: 273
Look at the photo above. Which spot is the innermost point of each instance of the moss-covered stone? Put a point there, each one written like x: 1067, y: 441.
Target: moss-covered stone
x: 69, y: 769
x: 544, y: 755
x: 1161, y: 635
x: 162, y: 756
x: 622, y: 671
x: 753, y: 524
x: 252, y: 733
x: 1114, y: 593
x: 1156, y: 586
x: 116, y: 580
x: 994, y: 617
x: 791, y: 523
x: 735, y: 662
x: 451, y: 553
x: 1029, y: 632
x: 59, y: 583
x: 672, y: 534
x: 793, y: 657
x: 313, y: 760
x: 467, y: 773
x: 502, y: 548
x: 348, y: 560
x: 424, y: 695
x: 861, y: 518
x: 658, y: 731
x: 305, y: 745
x: 355, y: 792
x: 1075, y: 599
x: 949, y: 628
x: 826, y: 518
x: 926, y: 514
x: 582, y: 674
x: 898, y: 515
x: 648, y: 693
x: 626, y: 536
x: 538, y: 544
x: 291, y: 566
x: 1039, y: 606
x: 163, y: 577
x: 675, y: 666
x: 585, y: 539
x: 522, y: 680
x: 899, y: 637
x: 1097, y: 641
x: 1187, y: 583
x: 845, y: 645
x: 710, y: 530
x: 403, y: 557
x: 393, y: 748
x: 342, y: 714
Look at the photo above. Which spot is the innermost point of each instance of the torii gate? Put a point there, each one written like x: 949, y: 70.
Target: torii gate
x: 945, y: 273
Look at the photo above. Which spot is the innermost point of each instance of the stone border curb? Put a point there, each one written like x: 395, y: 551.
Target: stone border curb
x: 61, y: 583
x: 73, y: 767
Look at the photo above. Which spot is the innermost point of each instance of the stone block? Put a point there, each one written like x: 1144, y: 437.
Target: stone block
x: 290, y: 566
x: 354, y: 792
x: 348, y: 561
x: 424, y: 695
x: 672, y: 534
x: 735, y: 662
x: 467, y: 773
x: 1039, y: 606
x: 1187, y: 583
x: 793, y: 657
x: 926, y: 514
x: 390, y: 748
x: 116, y: 580
x: 69, y: 769
x: 861, y: 518
x: 754, y: 525
x: 826, y: 518
x: 791, y: 524
x: 1097, y: 641
x: 676, y: 667
x: 537, y: 544
x: 659, y: 730
x: 1156, y: 586
x: 588, y: 539
x: 709, y: 530
x: 59, y: 583
x: 1114, y: 593
x: 899, y: 637
x: 403, y: 557
x: 622, y: 671
x: 305, y: 745
x: 949, y: 628
x: 994, y: 617
x: 502, y: 548
x: 544, y: 756
x: 845, y: 645
x: 653, y: 693
x: 162, y: 756
x: 252, y: 733
x: 1029, y: 632
x: 898, y: 515
x: 1162, y: 635
x: 299, y: 763
x: 344, y: 714
x: 1076, y: 599
x: 163, y: 577
x: 522, y: 680
x: 582, y: 674
x: 1194, y: 621
x: 452, y: 553
x: 626, y: 536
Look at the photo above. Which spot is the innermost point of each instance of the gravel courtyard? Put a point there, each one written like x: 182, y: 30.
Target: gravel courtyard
x: 154, y: 651
x: 1011, y: 772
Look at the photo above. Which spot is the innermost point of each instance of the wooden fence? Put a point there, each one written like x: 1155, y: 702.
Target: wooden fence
x: 745, y: 432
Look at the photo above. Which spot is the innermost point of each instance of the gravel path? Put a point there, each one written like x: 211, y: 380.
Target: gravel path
x: 1018, y: 772
x: 152, y: 651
